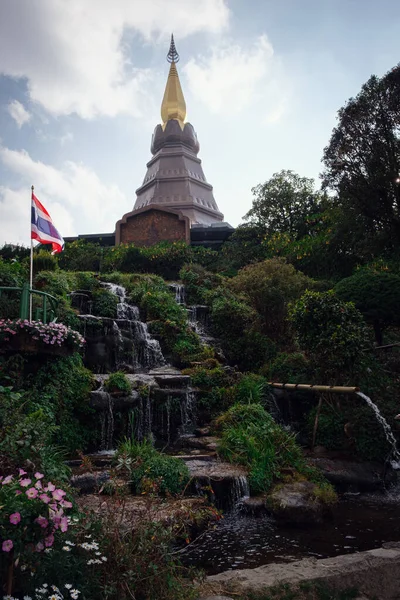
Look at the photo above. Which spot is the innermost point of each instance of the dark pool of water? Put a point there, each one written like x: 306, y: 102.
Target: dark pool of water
x: 239, y: 541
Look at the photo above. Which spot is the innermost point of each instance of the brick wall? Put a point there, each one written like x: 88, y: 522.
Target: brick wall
x: 152, y: 226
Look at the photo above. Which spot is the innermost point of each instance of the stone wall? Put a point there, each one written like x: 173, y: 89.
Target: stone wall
x: 375, y: 573
x: 147, y: 226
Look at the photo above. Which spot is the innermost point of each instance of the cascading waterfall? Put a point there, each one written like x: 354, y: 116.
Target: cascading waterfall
x: 179, y: 289
x: 386, y: 428
x: 148, y: 354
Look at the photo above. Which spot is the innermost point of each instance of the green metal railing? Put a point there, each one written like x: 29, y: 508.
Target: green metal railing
x: 45, y: 312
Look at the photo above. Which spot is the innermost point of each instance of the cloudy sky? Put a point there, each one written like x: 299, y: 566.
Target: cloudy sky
x: 81, y: 83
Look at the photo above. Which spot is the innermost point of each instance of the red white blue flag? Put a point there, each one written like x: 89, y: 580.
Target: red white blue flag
x: 42, y: 228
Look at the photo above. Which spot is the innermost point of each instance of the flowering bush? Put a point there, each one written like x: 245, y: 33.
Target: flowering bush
x: 51, y: 334
x: 32, y: 514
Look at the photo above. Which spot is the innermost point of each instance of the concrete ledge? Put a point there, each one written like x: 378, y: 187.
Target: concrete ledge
x: 375, y: 573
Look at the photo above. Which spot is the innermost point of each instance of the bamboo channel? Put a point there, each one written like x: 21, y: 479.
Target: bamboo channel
x: 338, y: 389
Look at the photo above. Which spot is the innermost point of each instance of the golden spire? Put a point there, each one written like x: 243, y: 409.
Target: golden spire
x: 173, y: 105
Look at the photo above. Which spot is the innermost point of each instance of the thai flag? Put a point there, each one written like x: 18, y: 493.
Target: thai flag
x: 42, y: 228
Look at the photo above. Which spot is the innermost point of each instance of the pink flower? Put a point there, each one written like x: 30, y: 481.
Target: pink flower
x: 44, y: 498
x: 39, y: 546
x: 22, y: 472
x: 31, y: 493
x: 38, y: 485
x: 25, y: 482
x: 42, y: 522
x: 64, y: 524
x: 50, y: 487
x: 7, y: 546
x: 15, y: 518
x: 58, y: 494
x: 49, y: 541
x: 66, y: 504
x: 7, y: 479
x: 18, y: 493
x: 39, y: 475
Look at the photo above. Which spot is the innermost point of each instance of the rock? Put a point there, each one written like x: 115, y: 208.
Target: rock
x: 89, y: 482
x: 216, y: 598
x: 375, y: 573
x: 225, y: 484
x: 254, y: 505
x: 319, y: 450
x: 297, y: 504
x: 351, y: 476
x: 201, y: 443
x: 202, y: 431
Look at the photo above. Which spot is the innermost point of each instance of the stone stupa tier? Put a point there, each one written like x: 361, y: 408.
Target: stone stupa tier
x: 175, y: 178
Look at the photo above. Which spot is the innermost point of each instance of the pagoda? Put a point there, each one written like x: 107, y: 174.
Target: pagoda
x: 175, y: 195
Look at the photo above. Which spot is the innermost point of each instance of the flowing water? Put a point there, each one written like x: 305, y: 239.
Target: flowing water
x: 386, y: 428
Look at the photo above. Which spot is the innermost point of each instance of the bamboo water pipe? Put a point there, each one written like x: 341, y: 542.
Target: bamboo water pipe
x: 338, y: 389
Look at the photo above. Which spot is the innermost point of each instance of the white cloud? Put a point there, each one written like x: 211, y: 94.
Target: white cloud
x: 19, y: 113
x: 233, y: 77
x: 76, y: 199
x: 72, y: 55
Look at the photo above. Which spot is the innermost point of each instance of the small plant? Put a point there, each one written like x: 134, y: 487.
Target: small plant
x: 150, y: 471
x: 118, y: 383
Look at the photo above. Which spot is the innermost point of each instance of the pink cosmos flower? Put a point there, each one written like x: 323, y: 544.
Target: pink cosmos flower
x: 7, y: 545
x: 42, y: 521
x: 25, y: 482
x: 49, y: 541
x: 21, y: 472
x: 58, y: 494
x: 31, y: 493
x: 44, y: 498
x: 7, y: 479
x: 15, y: 518
x: 64, y: 524
x: 39, y: 475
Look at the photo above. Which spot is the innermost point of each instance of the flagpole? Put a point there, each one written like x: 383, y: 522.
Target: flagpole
x: 31, y: 269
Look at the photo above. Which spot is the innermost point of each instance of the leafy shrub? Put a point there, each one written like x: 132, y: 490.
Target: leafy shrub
x: 333, y: 334
x: 12, y: 274
x: 44, y: 261
x: 105, y: 304
x: 289, y: 368
x: 164, y: 258
x: 151, y: 471
x: 118, y: 382
x: 60, y: 391
x: 250, y: 437
x: 81, y: 255
x: 376, y: 294
x: 197, y: 282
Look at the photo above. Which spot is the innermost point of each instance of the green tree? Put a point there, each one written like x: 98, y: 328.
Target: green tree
x: 270, y: 286
x: 362, y: 160
x: 283, y: 203
x: 376, y: 294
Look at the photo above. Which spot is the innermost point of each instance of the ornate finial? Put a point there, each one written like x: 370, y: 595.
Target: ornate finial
x: 172, y: 55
